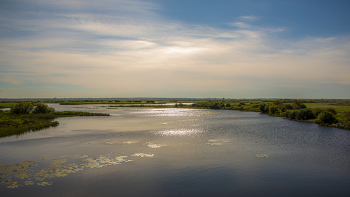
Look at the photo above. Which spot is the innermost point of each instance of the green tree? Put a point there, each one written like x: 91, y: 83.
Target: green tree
x: 262, y: 107
x: 22, y: 108
x: 278, y: 102
x: 273, y: 109
x: 326, y: 117
x: 297, y: 104
x: 288, y: 106
x: 42, y: 108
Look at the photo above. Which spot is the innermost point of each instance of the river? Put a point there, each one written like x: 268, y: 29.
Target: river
x: 176, y: 152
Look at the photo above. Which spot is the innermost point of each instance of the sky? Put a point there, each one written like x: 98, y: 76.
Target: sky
x: 175, y: 48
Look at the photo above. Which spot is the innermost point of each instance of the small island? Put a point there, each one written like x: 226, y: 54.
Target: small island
x: 26, y: 116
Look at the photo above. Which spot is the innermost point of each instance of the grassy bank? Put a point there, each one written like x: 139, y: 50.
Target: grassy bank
x: 16, y: 124
x: 330, y: 114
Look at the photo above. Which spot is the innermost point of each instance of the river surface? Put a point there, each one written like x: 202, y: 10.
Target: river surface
x: 176, y: 152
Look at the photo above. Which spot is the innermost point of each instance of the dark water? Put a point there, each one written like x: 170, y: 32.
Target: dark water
x: 176, y: 152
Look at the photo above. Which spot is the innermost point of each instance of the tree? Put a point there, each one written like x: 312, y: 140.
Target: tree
x: 326, y: 117
x: 305, y: 114
x: 42, y: 108
x: 278, y: 102
x: 22, y: 108
x: 262, y: 107
x: 297, y: 104
x: 273, y: 109
x: 288, y: 106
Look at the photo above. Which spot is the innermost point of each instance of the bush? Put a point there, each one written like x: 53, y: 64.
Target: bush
x: 326, y: 117
x: 22, y: 108
x: 292, y: 115
x: 228, y: 105
x: 317, y: 111
x: 42, y: 108
x: 305, y: 114
x: 331, y: 110
x: 297, y: 104
x: 288, y: 106
x: 285, y: 114
x: 262, y: 107
x: 273, y: 109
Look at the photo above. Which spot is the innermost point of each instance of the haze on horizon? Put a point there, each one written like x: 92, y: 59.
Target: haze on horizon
x: 182, y: 48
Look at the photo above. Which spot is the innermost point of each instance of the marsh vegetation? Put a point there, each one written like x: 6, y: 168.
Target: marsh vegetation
x: 26, y: 116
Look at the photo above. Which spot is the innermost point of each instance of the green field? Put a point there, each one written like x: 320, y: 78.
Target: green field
x: 339, y: 107
x: 6, y: 105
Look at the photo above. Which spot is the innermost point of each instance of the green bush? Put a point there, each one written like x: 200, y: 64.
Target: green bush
x: 326, y: 117
x: 305, y: 114
x: 331, y: 110
x: 42, y: 108
x: 285, y: 114
x: 317, y: 111
x: 273, y: 109
x: 292, y: 115
x: 22, y: 108
x: 297, y: 104
x: 263, y: 107
x: 288, y: 106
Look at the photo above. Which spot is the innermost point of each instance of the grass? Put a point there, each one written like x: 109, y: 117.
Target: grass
x: 16, y: 124
x: 339, y: 107
x: 6, y: 105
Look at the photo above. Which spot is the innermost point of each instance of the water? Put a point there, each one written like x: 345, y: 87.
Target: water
x: 176, y: 152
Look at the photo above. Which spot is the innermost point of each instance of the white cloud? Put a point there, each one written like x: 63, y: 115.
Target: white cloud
x: 250, y: 17
x: 130, y: 53
x: 240, y: 24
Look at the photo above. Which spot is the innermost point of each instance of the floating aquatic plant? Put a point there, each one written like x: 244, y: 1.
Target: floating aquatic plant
x: 32, y: 172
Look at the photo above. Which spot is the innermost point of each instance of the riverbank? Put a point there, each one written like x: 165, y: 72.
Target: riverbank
x: 338, y: 113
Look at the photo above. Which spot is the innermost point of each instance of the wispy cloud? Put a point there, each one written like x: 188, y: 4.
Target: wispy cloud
x: 239, y: 24
x: 251, y: 18
x: 126, y: 48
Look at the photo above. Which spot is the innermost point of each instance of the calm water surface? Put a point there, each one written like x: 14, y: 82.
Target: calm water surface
x: 176, y: 152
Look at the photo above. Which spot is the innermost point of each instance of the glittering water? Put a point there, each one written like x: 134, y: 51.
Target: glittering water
x: 176, y: 152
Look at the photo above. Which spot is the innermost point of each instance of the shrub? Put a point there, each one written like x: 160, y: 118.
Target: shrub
x: 297, y: 104
x: 292, y: 115
x: 325, y: 117
x: 317, y: 111
x: 228, y: 105
x: 285, y: 114
x: 22, y: 108
x: 331, y: 110
x: 42, y: 108
x: 262, y: 107
x: 278, y: 102
x: 288, y: 106
x: 305, y: 114
x: 273, y: 109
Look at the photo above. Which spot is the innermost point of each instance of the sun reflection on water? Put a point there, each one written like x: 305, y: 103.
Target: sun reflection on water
x: 180, y: 132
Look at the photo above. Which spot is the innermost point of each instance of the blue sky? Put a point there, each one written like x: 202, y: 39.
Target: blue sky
x: 192, y: 48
